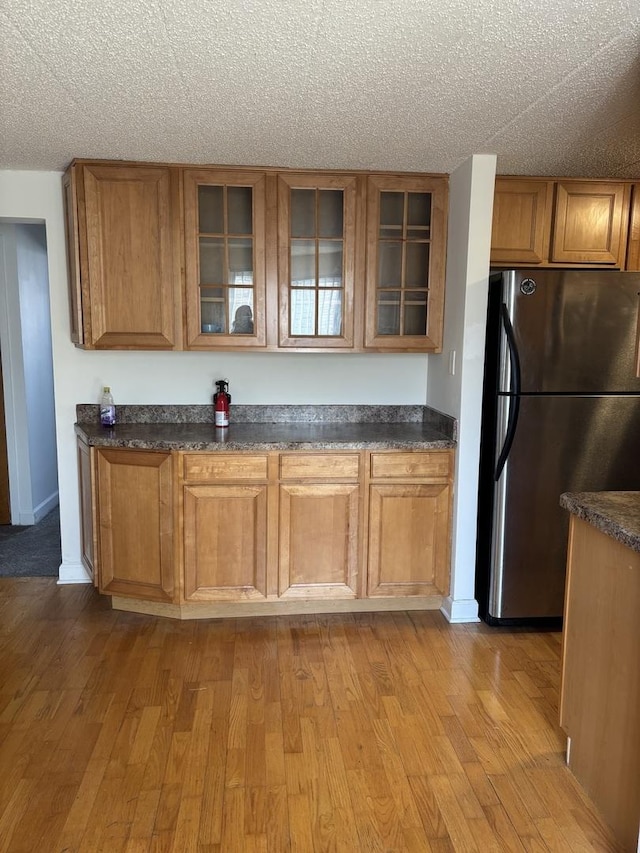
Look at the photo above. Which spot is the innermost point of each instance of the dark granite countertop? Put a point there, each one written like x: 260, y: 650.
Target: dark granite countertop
x: 264, y: 437
x: 615, y: 513
x: 263, y: 428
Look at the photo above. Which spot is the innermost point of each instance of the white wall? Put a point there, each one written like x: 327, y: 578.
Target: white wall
x: 25, y: 340
x: 35, y: 326
x: 470, y: 214
x: 179, y: 377
x: 13, y: 378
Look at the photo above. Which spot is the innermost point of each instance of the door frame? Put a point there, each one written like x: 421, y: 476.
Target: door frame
x: 5, y: 495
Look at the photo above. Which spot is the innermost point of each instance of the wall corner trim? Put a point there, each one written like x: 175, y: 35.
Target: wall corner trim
x: 460, y: 610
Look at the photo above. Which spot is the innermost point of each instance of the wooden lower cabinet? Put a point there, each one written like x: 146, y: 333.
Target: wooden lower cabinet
x: 135, y: 523
x: 88, y: 527
x: 409, y: 524
x: 409, y: 531
x: 600, y: 689
x: 319, y: 515
x: 292, y: 530
x: 225, y: 542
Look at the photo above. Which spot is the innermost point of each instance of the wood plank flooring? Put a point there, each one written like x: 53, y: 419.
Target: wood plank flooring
x: 372, y: 732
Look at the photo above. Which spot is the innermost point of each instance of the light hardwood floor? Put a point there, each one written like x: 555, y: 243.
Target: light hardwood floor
x: 372, y: 732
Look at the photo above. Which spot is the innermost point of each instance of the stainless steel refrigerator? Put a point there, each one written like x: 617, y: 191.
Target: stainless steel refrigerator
x: 561, y: 412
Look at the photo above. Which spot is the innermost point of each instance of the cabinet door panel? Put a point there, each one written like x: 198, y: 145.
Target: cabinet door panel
x: 633, y: 252
x: 224, y: 220
x: 133, y: 299
x: 408, y: 540
x: 521, y: 221
x: 316, y: 260
x: 590, y: 223
x: 319, y: 540
x: 406, y: 245
x: 225, y: 542
x: 136, y: 523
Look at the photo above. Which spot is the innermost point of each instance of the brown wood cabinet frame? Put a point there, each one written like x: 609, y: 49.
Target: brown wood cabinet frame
x: 94, y: 302
x: 551, y: 222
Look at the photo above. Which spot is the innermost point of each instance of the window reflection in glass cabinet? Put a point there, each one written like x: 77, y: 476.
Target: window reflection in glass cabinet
x: 226, y: 255
x: 316, y: 262
x: 316, y: 237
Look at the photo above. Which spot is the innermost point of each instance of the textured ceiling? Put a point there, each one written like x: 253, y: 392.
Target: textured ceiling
x: 550, y: 86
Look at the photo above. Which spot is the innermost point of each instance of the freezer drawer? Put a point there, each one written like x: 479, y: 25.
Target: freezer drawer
x: 561, y: 444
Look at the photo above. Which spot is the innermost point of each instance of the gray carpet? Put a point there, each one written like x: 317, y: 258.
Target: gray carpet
x: 32, y: 551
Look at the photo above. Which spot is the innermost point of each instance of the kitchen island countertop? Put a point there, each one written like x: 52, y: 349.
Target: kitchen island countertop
x: 615, y: 513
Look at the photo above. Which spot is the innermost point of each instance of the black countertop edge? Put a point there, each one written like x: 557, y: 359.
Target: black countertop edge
x: 615, y: 513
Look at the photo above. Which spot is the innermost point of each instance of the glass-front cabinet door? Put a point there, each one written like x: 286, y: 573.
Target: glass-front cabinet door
x: 225, y: 258
x: 406, y: 219
x: 316, y: 260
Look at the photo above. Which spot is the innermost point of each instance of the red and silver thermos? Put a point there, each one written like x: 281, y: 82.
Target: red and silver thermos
x: 221, y: 403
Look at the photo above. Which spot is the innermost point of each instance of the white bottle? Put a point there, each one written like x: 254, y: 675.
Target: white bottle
x: 107, y: 409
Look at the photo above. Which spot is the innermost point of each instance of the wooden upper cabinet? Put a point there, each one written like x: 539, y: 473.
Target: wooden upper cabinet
x: 590, y: 223
x: 316, y: 260
x: 521, y: 217
x: 121, y: 238
x: 406, y: 255
x: 70, y: 199
x: 205, y: 257
x: 564, y: 222
x: 224, y: 220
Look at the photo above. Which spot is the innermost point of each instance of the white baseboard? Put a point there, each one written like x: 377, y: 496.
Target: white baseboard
x: 45, y: 507
x: 38, y: 512
x: 73, y: 573
x: 460, y: 610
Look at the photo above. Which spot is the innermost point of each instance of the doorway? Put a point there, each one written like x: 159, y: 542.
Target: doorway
x: 28, y: 454
x: 5, y: 510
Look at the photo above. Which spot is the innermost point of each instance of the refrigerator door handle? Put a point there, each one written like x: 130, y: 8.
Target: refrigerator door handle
x: 512, y: 422
x: 514, y: 357
x: 514, y: 401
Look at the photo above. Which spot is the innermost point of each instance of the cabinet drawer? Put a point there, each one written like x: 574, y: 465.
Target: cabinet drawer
x: 433, y: 464
x: 326, y: 466
x: 222, y: 466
